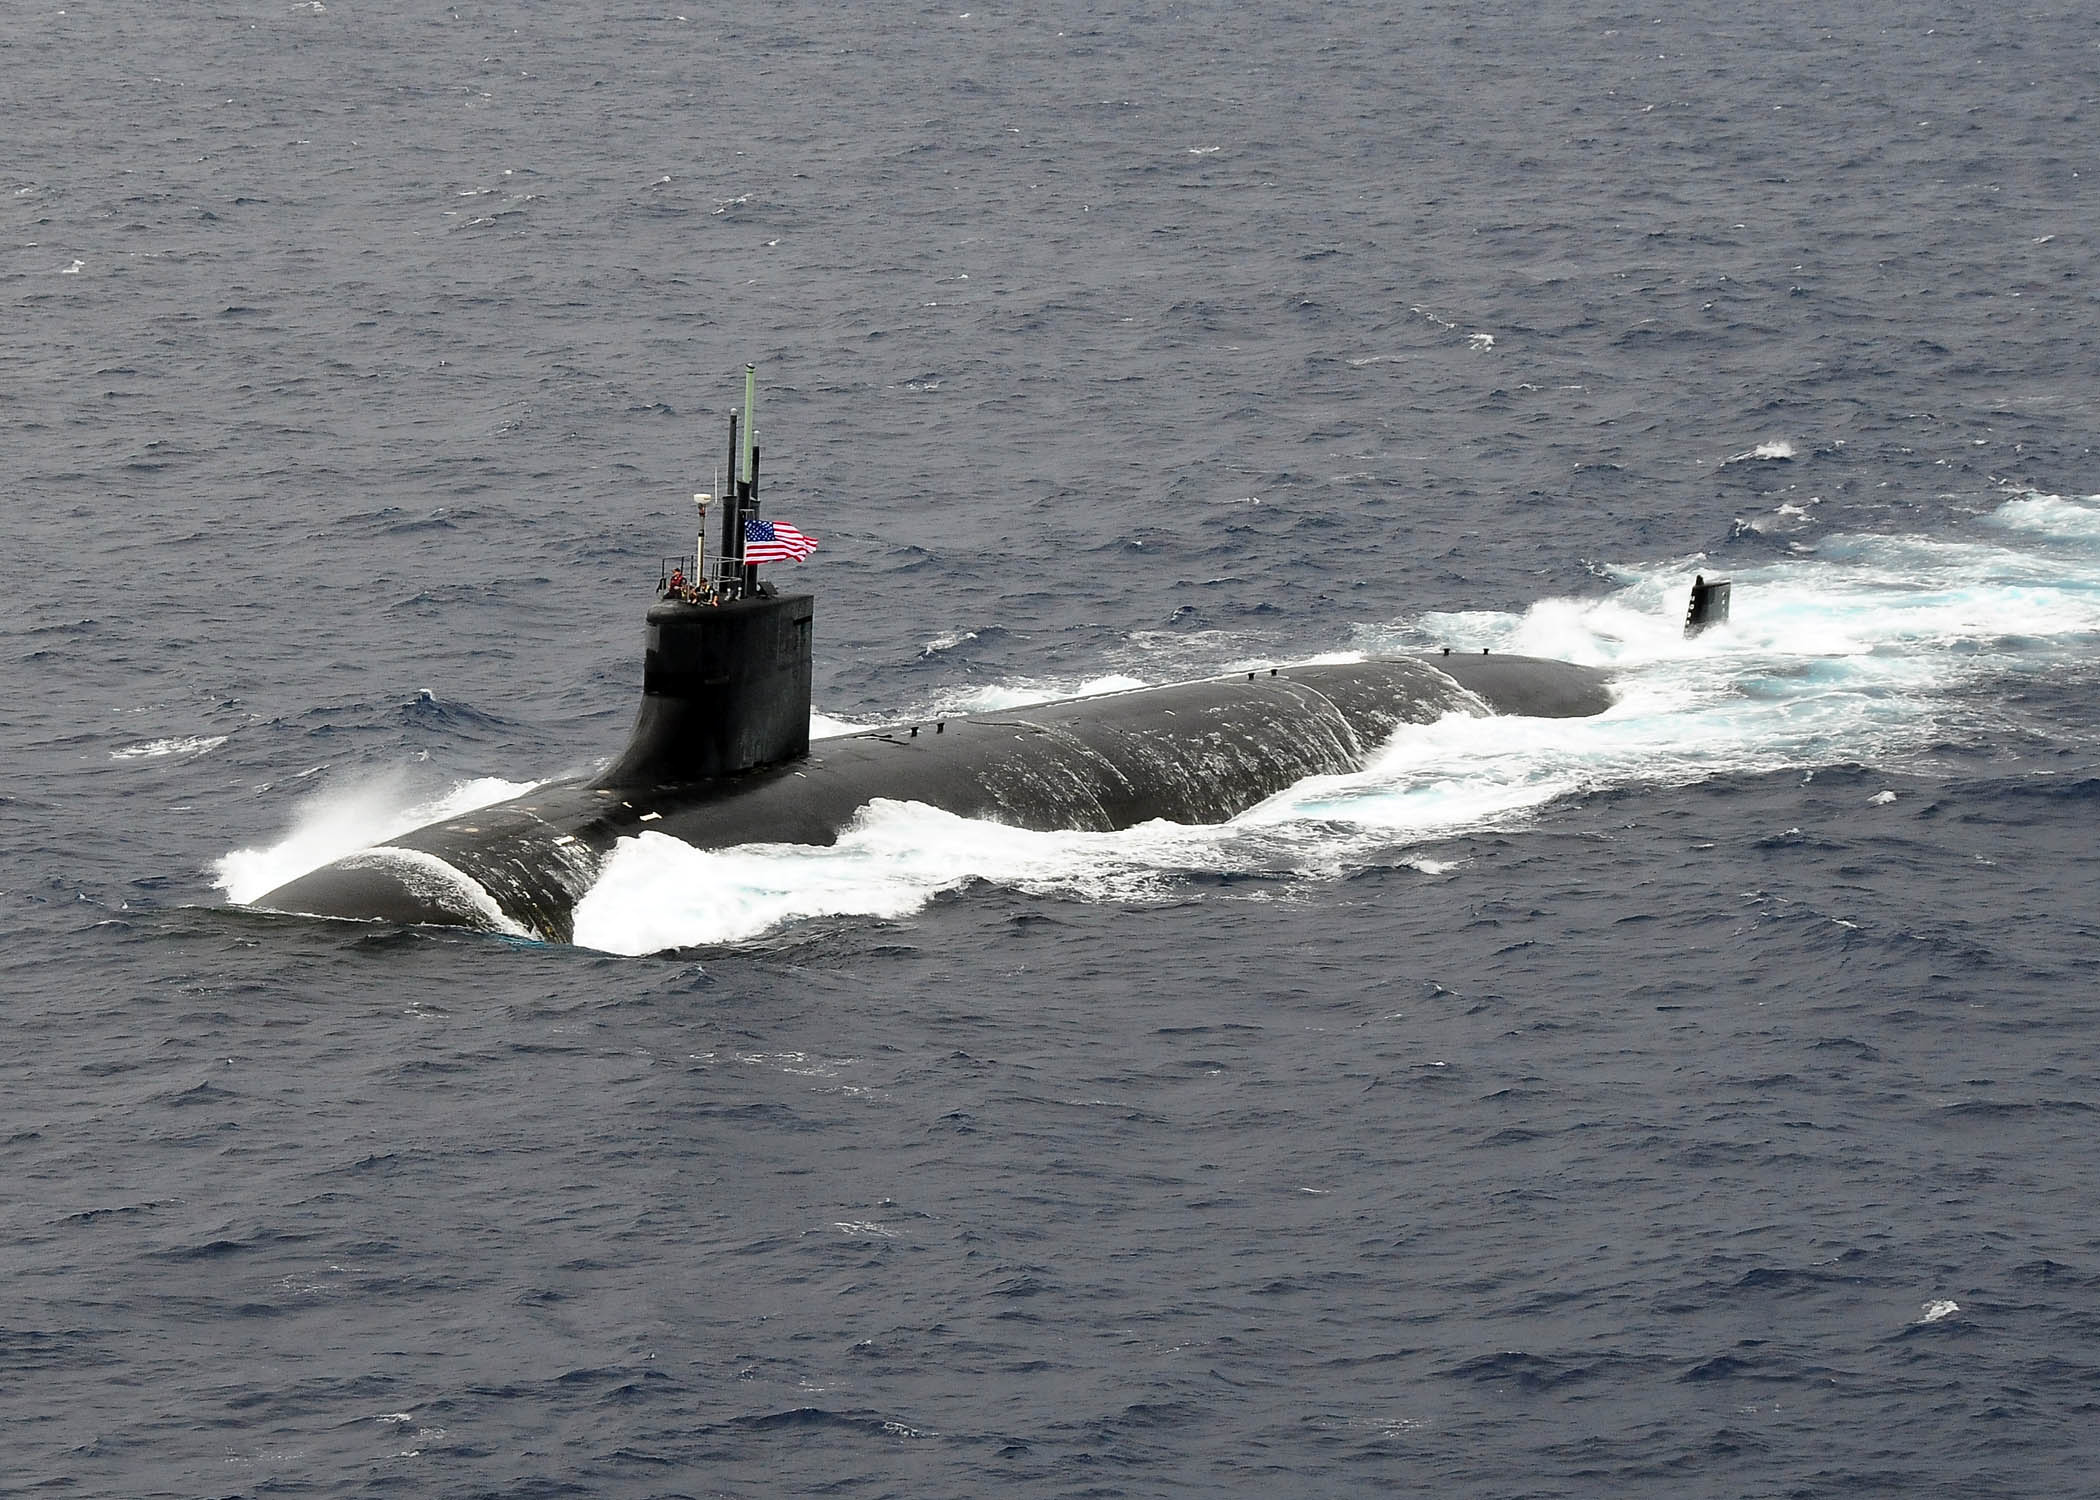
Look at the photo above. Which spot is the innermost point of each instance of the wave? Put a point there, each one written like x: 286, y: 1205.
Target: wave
x: 2050, y: 515
x: 179, y: 745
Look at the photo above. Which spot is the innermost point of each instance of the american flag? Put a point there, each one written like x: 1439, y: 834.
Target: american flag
x: 775, y: 541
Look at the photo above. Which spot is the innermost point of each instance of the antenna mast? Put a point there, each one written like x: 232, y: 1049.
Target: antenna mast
x: 732, y: 521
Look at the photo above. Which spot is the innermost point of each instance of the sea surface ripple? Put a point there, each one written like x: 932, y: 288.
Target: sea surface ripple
x: 1697, y: 1101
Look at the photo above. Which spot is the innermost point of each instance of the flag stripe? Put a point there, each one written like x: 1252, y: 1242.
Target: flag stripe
x: 775, y: 541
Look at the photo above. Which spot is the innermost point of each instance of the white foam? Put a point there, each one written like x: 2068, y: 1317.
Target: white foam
x: 1777, y: 450
x: 658, y: 893
x: 2050, y: 515
x: 156, y: 749
x: 1938, y: 1310
x: 991, y: 699
x: 345, y: 820
x: 978, y: 700
x: 824, y: 727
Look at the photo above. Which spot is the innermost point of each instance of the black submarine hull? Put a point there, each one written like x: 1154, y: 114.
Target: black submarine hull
x: 1195, y: 752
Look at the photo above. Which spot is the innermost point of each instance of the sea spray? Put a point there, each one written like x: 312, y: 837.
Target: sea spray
x: 341, y: 820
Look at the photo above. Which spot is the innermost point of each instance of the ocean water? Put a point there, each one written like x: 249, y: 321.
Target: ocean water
x: 1694, y: 1101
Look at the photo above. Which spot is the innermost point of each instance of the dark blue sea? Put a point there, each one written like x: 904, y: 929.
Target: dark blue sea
x: 1696, y: 1101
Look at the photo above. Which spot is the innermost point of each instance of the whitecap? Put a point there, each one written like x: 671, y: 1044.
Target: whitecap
x: 2050, y: 515
x: 155, y: 749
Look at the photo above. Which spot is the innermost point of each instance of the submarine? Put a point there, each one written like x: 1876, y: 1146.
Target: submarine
x: 721, y: 755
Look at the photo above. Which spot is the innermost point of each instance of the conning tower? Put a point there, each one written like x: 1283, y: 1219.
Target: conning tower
x: 726, y: 677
